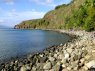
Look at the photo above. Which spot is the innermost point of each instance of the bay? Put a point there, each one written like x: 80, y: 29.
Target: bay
x: 15, y: 43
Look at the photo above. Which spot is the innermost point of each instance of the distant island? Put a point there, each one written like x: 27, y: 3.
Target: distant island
x: 79, y: 15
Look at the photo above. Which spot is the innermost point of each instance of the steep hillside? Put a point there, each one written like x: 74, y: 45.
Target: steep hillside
x: 79, y: 14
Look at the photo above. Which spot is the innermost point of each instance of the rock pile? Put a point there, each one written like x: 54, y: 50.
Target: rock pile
x: 77, y: 55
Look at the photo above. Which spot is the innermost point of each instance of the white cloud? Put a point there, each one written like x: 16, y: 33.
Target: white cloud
x: 12, y: 13
x: 13, y: 17
x: 32, y: 14
x: 49, y: 1
x: 44, y: 2
x: 10, y: 2
x: 1, y: 21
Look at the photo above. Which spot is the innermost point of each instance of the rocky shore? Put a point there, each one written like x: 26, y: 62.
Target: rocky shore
x: 75, y: 55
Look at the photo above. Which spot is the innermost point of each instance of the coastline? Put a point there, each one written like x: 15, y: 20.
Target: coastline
x: 75, y: 55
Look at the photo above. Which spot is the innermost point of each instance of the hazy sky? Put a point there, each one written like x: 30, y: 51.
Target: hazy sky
x: 14, y: 11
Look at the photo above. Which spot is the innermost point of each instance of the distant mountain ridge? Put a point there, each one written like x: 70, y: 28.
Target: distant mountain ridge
x: 79, y: 14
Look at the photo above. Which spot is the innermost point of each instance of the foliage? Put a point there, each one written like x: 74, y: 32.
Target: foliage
x: 83, y: 18
x: 60, y: 6
x: 79, y: 14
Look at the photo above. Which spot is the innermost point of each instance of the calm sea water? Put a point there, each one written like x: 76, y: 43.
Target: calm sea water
x: 15, y: 43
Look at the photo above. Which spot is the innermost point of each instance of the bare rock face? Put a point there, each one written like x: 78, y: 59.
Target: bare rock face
x: 22, y: 26
x: 17, y: 27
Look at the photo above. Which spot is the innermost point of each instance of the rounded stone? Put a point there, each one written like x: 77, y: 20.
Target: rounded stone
x: 90, y: 64
x: 66, y: 55
x: 51, y: 59
x: 23, y: 68
x: 47, y: 66
x: 69, y: 50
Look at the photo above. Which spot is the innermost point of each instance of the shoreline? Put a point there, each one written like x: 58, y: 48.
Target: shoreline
x: 75, y: 55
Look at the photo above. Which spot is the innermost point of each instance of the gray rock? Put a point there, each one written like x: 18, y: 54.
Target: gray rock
x: 82, y: 60
x: 69, y: 50
x: 63, y: 65
x: 84, y: 53
x: 33, y: 69
x: 51, y: 59
x: 40, y: 66
x: 66, y: 55
x: 74, y: 64
x: 28, y: 67
x: 75, y: 57
x: 3, y: 70
x: 61, y: 56
x: 69, y: 68
x: 53, y: 63
x: 55, y: 55
x: 64, y: 61
x: 23, y: 68
x: 56, y: 67
x: 91, y: 64
x: 43, y: 59
x: 47, y: 66
x: 65, y: 70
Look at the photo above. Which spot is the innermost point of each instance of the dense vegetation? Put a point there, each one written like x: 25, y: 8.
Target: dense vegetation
x: 79, y: 15
x: 83, y: 17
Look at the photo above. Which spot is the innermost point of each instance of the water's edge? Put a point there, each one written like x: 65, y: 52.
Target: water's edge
x: 47, y: 48
x: 75, y: 55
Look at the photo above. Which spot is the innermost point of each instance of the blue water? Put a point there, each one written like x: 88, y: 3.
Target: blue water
x: 15, y: 43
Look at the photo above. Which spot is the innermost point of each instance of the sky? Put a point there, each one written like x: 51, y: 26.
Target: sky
x: 12, y: 12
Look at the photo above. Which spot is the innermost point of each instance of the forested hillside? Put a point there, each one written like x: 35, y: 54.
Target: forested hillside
x: 79, y: 15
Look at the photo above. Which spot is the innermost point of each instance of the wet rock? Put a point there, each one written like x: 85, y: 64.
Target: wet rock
x: 43, y: 59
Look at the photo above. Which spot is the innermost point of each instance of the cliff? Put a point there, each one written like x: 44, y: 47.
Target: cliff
x: 79, y: 14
